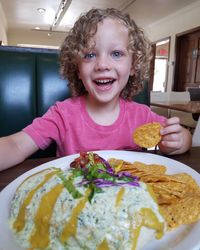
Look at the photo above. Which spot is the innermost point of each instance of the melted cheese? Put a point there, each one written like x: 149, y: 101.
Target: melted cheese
x: 70, y: 228
x: 40, y: 237
x: 20, y: 220
x: 113, y: 220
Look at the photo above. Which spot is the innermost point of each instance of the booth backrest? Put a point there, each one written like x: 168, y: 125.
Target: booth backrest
x: 50, y: 86
x: 30, y: 83
x: 17, y: 91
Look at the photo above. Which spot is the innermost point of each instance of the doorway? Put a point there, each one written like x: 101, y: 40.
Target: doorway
x: 187, y: 66
x: 160, y: 65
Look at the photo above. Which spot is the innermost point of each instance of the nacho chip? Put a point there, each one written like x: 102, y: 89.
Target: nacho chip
x: 149, y: 168
x: 178, y: 195
x: 185, y: 211
x: 140, y: 167
x: 147, y: 135
x: 186, y: 178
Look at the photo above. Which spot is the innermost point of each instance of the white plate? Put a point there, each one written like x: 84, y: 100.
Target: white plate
x: 183, y: 238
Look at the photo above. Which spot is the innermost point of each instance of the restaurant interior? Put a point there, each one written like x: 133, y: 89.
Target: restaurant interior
x: 35, y: 30
x: 31, y: 33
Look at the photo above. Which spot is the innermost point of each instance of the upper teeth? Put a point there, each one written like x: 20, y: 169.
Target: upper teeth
x: 103, y: 81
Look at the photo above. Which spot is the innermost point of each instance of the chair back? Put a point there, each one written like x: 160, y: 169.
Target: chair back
x: 144, y: 96
x: 196, y: 135
x: 186, y: 119
x: 194, y: 96
x: 175, y: 96
x: 157, y: 96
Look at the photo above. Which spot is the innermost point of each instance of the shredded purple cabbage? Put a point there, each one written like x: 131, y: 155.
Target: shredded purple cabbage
x: 118, y: 179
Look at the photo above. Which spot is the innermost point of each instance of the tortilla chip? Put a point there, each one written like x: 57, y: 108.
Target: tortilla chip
x: 185, y: 211
x: 178, y: 195
x: 147, y: 135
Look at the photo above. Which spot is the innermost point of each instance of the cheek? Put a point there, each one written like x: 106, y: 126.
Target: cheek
x: 127, y: 67
x: 84, y: 71
x: 127, y: 70
x: 81, y: 71
x: 131, y: 68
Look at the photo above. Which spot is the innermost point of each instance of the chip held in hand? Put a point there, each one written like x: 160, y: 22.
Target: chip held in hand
x: 147, y: 135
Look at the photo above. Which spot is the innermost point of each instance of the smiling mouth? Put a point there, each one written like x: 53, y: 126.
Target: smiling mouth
x: 104, y: 82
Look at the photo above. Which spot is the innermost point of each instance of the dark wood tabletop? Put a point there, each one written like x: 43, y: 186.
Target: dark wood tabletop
x: 190, y: 158
x: 189, y: 107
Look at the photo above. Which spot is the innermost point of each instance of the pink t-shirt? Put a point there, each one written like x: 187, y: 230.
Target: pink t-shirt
x: 69, y: 124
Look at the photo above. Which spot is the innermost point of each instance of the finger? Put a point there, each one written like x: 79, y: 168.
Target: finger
x: 171, y: 144
x: 170, y: 129
x: 172, y: 120
x: 171, y: 137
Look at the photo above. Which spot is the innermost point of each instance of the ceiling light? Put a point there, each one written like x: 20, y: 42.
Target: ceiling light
x: 63, y: 7
x: 41, y: 10
x: 37, y: 28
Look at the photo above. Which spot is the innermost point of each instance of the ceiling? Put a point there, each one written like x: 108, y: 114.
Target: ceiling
x: 23, y: 14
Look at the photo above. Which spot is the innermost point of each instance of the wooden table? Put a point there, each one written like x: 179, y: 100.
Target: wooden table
x: 189, y: 107
x: 190, y: 158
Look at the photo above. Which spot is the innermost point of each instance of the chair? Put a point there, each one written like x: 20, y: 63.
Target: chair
x: 196, y: 135
x: 157, y: 96
x: 186, y: 119
x: 143, y: 96
x: 175, y: 96
x: 194, y: 96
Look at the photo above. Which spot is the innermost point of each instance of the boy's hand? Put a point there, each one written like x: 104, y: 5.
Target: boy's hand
x: 175, y: 138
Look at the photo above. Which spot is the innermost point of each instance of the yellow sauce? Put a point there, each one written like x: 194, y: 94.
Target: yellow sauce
x: 150, y: 220
x: 119, y: 196
x: 103, y: 246
x: 40, y: 237
x: 147, y: 218
x: 70, y: 228
x: 19, y: 223
x: 151, y: 192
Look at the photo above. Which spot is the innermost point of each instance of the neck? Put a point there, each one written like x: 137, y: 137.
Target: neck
x: 103, y: 113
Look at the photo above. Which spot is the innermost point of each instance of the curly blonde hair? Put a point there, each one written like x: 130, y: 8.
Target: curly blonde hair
x: 78, y: 38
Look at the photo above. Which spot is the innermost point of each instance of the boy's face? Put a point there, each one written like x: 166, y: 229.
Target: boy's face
x: 105, y: 69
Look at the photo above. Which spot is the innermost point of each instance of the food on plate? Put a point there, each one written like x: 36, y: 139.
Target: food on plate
x: 147, y: 135
x: 178, y: 195
x: 88, y: 206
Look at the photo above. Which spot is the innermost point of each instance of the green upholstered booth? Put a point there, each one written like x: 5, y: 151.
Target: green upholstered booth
x: 50, y: 86
x: 17, y: 91
x: 144, y: 95
x: 30, y: 83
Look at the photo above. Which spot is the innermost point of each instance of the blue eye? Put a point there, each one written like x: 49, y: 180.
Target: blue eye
x: 89, y: 55
x: 117, y: 54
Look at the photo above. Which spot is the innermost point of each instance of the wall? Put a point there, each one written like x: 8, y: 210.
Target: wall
x: 178, y: 22
x: 3, y: 27
x: 16, y: 37
x: 185, y: 19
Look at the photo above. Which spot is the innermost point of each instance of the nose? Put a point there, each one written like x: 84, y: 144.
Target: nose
x: 102, y: 63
